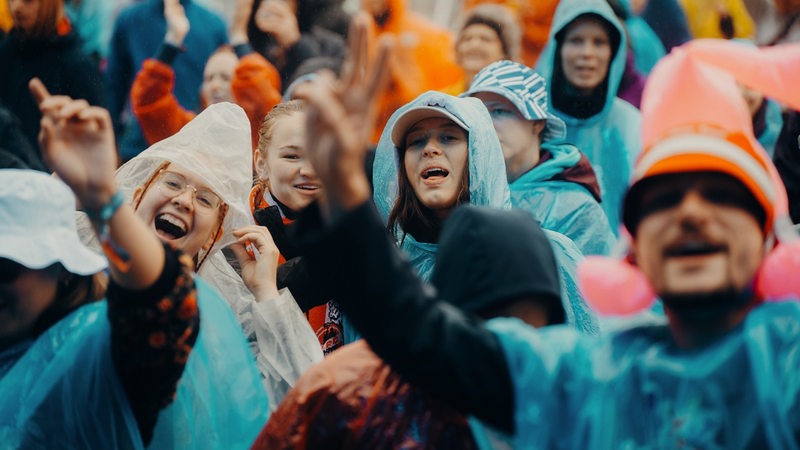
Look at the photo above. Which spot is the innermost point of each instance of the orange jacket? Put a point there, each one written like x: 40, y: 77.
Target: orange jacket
x: 255, y: 87
x: 5, y: 17
x: 423, y: 59
x: 536, y: 17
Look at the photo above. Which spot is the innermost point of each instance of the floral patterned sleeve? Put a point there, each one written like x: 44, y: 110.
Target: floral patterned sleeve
x: 152, y: 333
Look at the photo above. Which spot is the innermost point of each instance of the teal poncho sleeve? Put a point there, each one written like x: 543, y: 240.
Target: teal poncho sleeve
x: 635, y: 389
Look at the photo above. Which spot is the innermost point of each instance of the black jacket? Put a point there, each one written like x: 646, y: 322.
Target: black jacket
x: 59, y: 62
x: 432, y: 343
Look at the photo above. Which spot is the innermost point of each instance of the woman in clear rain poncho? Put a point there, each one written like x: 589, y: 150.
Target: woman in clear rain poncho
x: 214, y: 149
x: 583, y: 65
x: 161, y: 362
x: 483, y: 182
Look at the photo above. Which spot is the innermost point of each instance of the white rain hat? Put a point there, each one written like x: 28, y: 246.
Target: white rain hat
x: 37, y: 224
x: 215, y: 147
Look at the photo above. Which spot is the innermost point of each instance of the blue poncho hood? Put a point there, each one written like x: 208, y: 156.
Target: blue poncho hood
x: 566, y: 13
x: 487, y: 171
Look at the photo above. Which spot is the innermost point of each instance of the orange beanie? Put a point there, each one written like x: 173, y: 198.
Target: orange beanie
x: 695, y: 120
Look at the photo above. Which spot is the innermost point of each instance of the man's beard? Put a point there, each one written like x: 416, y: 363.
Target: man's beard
x: 708, y: 306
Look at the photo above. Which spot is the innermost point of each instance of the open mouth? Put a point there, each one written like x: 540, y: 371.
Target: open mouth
x: 170, y: 226
x: 693, y: 248
x: 434, y: 172
x: 307, y: 187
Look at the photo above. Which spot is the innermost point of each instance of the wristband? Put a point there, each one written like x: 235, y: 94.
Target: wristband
x: 117, y: 256
x: 107, y: 211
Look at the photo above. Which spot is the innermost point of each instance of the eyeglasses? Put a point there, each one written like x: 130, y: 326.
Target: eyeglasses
x: 10, y: 271
x: 172, y: 183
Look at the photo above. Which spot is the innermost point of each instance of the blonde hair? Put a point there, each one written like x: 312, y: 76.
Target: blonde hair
x: 266, y: 129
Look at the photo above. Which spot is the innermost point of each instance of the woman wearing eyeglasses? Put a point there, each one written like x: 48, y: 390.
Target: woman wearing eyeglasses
x: 160, y: 361
x: 192, y: 190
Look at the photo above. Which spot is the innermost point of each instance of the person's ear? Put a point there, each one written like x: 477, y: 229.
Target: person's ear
x: 137, y: 197
x: 262, y: 168
x: 213, y: 238
x: 538, y: 126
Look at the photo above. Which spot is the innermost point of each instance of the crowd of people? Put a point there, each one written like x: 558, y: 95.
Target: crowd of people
x: 552, y: 224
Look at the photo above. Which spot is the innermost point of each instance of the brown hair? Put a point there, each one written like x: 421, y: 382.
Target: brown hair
x: 410, y: 214
x: 73, y: 292
x: 46, y: 24
x: 502, y: 20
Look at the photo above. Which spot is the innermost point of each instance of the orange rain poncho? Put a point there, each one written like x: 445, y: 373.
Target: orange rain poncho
x: 422, y: 59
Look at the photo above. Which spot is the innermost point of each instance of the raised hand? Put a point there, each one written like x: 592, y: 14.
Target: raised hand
x: 177, y: 22
x: 241, y: 15
x: 77, y: 142
x: 276, y: 18
x: 259, y: 267
x: 341, y: 116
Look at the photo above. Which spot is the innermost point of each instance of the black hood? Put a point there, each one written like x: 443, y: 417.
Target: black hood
x: 489, y: 257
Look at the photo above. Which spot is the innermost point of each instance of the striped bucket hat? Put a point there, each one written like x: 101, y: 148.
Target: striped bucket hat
x: 523, y: 87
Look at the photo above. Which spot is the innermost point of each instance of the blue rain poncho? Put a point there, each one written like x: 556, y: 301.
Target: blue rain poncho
x: 773, y: 123
x: 635, y: 389
x: 645, y: 44
x: 63, y: 391
x: 563, y: 206
x: 487, y: 169
x: 610, y: 138
x: 487, y: 187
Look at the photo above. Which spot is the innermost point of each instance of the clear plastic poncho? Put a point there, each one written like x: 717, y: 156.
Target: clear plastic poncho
x: 216, y: 147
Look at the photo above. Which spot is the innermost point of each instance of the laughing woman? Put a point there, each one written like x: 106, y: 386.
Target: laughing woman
x: 436, y: 153
x: 192, y: 188
x: 583, y: 66
x: 161, y: 362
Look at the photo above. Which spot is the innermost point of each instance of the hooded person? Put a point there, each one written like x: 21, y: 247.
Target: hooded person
x: 705, y: 210
x: 214, y: 149
x: 582, y: 81
x: 482, y: 176
x: 645, y: 44
x: 327, y: 407
x: 549, y: 178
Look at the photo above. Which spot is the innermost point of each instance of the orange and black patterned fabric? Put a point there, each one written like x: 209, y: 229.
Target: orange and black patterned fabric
x: 152, y: 334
